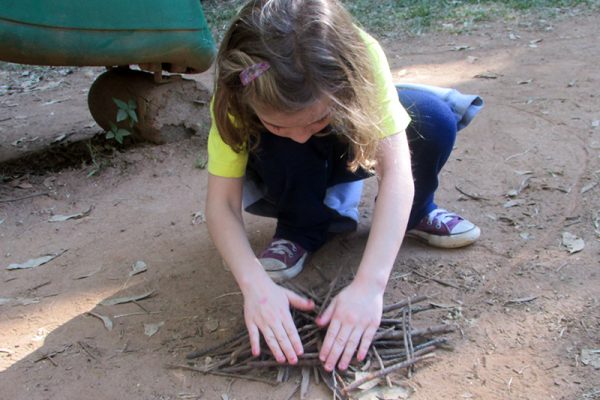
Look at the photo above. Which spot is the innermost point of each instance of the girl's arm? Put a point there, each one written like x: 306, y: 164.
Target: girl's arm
x: 355, y: 314
x: 266, y: 305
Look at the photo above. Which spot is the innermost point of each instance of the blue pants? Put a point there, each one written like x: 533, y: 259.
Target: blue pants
x: 293, y: 178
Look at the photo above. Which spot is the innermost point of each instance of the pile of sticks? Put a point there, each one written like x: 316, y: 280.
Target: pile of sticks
x: 397, y: 345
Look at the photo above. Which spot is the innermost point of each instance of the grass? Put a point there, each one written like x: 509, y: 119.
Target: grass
x: 397, y: 18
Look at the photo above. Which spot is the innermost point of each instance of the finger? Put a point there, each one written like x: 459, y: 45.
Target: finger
x: 332, y: 333
x: 254, y: 340
x: 285, y: 344
x: 338, y: 346
x: 350, y: 349
x: 325, y: 317
x: 292, y: 333
x: 273, y: 345
x: 367, y: 338
x: 299, y: 302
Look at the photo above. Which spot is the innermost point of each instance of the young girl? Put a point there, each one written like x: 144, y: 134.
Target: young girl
x: 304, y: 109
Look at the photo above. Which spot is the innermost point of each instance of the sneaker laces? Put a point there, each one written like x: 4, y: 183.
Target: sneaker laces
x: 282, y: 246
x: 441, y: 216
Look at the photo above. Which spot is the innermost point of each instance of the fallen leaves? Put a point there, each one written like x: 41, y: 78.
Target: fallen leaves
x: 63, y: 218
x: 137, y: 268
x: 108, y: 324
x: 127, y: 299
x: 572, y: 242
x: 153, y: 328
x: 35, y: 262
x: 591, y: 357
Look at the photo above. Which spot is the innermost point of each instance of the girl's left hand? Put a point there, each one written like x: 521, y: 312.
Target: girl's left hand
x: 353, y: 317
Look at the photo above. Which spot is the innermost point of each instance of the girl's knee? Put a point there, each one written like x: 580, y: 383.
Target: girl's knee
x: 432, y: 120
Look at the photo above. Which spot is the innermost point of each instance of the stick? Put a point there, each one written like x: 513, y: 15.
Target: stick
x: 378, y: 374
x: 432, y: 330
x: 380, y: 362
x: 404, y: 303
x: 437, y: 280
x: 226, y: 374
x: 311, y: 362
x: 332, y: 285
x: 200, y: 353
x: 471, y: 196
x: 87, y: 351
x: 24, y: 197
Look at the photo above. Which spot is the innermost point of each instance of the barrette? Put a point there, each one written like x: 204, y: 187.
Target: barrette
x: 252, y: 72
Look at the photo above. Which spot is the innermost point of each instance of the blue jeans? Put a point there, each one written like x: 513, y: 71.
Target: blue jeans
x: 292, y: 178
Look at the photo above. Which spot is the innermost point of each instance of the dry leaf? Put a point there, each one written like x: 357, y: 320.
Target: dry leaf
x: 367, y: 385
x: 573, y: 243
x: 138, y: 268
x: 62, y: 218
x: 588, y: 187
x: 88, y: 274
x: 152, y: 329
x: 129, y: 299
x: 513, y: 203
x: 385, y: 393
x: 461, y: 47
x: 35, y: 262
x: 591, y: 357
x: 198, y: 218
x: 108, y: 324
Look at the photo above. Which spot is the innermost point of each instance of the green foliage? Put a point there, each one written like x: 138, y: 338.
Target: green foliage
x: 125, y: 112
x: 395, y: 18
x: 201, y: 161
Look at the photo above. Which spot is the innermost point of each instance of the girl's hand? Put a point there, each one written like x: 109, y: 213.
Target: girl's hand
x: 353, y: 317
x: 267, y: 309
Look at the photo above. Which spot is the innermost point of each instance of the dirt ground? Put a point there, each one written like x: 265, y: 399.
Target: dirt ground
x: 526, y: 171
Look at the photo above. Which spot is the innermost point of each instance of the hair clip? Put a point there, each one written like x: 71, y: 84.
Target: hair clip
x: 252, y: 72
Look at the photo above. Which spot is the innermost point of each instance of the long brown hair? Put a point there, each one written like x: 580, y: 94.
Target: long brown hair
x: 314, y: 50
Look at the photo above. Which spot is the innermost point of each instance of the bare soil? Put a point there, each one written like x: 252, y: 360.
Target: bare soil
x: 524, y: 171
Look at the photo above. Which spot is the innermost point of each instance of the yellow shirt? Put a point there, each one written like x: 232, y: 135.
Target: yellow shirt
x: 223, y: 161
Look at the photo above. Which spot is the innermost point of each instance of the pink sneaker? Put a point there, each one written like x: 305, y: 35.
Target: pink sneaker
x: 283, y: 259
x: 441, y: 228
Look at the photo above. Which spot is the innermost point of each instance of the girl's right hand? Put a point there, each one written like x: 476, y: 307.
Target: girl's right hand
x: 267, y: 310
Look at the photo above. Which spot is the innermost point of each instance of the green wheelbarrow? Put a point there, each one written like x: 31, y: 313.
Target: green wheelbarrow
x: 157, y: 35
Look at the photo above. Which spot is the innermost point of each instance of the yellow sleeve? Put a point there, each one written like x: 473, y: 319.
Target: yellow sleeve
x: 222, y: 159
x: 395, y: 119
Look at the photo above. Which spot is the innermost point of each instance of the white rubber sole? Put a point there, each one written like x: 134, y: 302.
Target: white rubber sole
x: 446, y: 242
x: 277, y: 270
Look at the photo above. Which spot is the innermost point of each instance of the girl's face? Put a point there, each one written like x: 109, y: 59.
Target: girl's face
x: 298, y: 126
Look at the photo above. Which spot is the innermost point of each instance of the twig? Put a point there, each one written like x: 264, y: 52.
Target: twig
x: 332, y: 285
x: 294, y: 392
x: 227, y: 294
x: 24, y: 197
x: 404, y: 303
x: 380, y: 362
x: 311, y: 362
x: 87, y: 351
x: 200, y: 353
x: 471, y: 196
x: 378, y: 374
x: 135, y: 313
x: 226, y: 374
x: 440, y: 281
x: 40, y: 285
x: 416, y: 332
x: 48, y: 356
